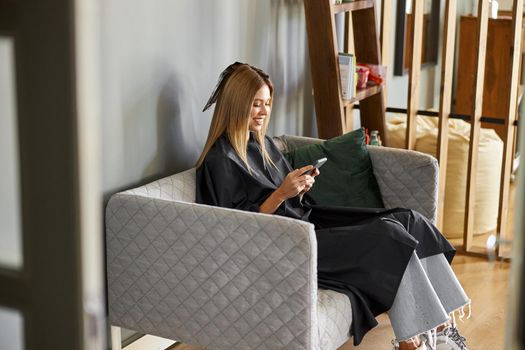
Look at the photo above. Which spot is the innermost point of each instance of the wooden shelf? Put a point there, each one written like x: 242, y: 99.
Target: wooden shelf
x: 353, y: 6
x: 364, y: 93
x: 333, y: 119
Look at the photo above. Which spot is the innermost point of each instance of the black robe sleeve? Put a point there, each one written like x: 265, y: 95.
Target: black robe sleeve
x: 220, y: 183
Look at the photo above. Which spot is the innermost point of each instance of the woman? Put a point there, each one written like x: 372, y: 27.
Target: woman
x: 383, y: 260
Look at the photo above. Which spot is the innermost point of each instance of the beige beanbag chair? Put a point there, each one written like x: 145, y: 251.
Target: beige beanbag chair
x: 488, y: 170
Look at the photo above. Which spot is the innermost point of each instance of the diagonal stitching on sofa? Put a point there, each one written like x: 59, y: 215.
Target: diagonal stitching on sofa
x: 153, y: 262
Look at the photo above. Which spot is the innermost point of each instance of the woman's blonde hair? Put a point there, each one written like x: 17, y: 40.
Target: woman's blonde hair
x: 232, y: 111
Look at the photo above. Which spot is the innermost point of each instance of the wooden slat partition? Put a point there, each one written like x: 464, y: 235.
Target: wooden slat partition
x: 386, y: 27
x: 414, y: 73
x: 325, y: 67
x: 349, y: 48
x: 447, y: 71
x: 475, y: 123
x: 508, y: 139
x: 367, y: 49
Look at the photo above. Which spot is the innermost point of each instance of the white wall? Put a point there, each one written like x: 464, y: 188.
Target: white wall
x: 160, y: 61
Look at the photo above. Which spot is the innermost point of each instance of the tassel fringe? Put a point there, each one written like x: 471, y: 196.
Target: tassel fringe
x: 461, y: 313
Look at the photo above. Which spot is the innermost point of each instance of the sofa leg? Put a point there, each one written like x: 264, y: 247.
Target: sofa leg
x: 116, y: 338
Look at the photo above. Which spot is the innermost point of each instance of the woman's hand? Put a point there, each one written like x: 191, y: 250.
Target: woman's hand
x: 315, y: 173
x: 310, y: 180
x: 297, y: 182
x: 309, y: 183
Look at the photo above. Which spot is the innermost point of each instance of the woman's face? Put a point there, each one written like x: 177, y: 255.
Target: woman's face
x: 261, y: 107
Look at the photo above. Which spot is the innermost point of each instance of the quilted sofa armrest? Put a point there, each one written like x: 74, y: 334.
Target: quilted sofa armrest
x: 407, y: 179
x: 216, y: 277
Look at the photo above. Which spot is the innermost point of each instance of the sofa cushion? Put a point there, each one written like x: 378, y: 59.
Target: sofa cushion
x: 334, y: 317
x: 347, y: 178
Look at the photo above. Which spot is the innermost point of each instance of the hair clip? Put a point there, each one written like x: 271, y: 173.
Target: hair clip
x: 220, y: 84
x: 223, y: 78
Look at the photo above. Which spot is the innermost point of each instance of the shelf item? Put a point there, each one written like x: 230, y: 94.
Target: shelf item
x: 347, y: 73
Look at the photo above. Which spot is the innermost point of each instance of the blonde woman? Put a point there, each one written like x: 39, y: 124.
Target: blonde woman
x: 391, y: 261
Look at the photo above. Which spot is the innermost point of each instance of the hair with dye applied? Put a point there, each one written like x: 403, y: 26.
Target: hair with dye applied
x: 234, y: 99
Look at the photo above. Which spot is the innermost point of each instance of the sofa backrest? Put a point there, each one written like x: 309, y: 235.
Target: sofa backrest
x: 288, y: 142
x: 179, y: 187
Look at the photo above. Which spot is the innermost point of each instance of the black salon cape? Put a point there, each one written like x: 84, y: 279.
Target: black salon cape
x: 362, y: 252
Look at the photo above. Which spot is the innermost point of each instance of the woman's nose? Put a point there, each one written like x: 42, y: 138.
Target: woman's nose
x: 264, y: 110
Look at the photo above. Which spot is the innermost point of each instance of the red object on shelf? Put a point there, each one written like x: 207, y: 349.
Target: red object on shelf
x: 362, y: 76
x: 376, y: 72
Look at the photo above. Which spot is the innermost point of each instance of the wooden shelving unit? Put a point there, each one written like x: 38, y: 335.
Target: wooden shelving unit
x: 333, y: 113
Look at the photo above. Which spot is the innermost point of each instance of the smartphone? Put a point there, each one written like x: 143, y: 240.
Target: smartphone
x: 317, y: 164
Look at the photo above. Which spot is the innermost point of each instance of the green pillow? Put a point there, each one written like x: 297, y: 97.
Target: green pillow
x: 347, y: 178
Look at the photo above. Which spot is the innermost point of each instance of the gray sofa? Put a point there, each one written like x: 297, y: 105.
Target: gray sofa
x: 227, y: 279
